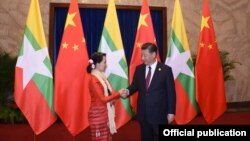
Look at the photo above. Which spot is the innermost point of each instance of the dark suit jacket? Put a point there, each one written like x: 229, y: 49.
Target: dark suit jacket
x: 159, y: 100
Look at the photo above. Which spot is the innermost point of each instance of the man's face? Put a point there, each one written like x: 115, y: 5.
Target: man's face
x: 147, y: 57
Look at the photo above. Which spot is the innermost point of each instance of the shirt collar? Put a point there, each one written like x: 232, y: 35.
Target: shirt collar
x: 153, y: 66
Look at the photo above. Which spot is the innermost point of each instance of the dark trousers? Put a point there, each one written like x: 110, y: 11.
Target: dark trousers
x: 149, y: 132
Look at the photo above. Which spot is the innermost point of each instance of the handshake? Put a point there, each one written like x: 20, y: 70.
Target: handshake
x: 124, y: 93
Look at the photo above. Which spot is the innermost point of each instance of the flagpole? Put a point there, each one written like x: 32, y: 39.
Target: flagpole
x: 34, y: 136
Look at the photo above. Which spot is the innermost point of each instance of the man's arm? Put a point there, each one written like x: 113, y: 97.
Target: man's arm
x: 171, y: 95
x: 131, y: 89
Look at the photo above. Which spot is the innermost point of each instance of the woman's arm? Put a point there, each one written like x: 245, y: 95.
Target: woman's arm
x: 98, y: 90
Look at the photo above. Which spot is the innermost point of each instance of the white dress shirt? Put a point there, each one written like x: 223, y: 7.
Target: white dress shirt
x: 153, y: 67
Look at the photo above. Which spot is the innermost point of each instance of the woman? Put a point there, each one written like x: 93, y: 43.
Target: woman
x: 101, y: 112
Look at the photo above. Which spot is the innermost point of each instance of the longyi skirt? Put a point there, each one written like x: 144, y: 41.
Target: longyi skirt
x: 98, y: 122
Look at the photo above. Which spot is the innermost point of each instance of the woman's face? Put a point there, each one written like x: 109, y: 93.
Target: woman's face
x: 102, y: 65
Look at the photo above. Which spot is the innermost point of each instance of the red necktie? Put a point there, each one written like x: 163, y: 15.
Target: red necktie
x: 148, y: 77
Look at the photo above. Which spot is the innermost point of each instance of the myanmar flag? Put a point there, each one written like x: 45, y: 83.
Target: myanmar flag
x: 179, y: 59
x: 33, y: 74
x: 117, y: 70
x: 210, y: 89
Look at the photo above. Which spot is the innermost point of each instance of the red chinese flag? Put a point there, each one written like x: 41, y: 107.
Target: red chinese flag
x: 210, y: 90
x: 145, y: 33
x: 72, y: 98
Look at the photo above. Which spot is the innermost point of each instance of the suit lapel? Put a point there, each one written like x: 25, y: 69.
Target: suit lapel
x: 143, y: 74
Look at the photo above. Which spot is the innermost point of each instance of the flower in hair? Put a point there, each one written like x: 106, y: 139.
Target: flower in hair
x: 91, y: 61
x: 93, y: 66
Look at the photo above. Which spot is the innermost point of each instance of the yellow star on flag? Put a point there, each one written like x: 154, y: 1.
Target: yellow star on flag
x: 155, y: 40
x: 83, y: 40
x: 70, y: 20
x: 138, y: 44
x: 202, y: 44
x: 65, y: 45
x: 142, y: 20
x: 204, y: 22
x: 75, y: 47
x: 210, y: 46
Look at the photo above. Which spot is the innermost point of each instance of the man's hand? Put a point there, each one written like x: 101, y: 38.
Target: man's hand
x: 170, y: 118
x: 123, y: 93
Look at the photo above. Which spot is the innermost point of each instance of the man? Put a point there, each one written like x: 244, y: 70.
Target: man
x: 156, y: 93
